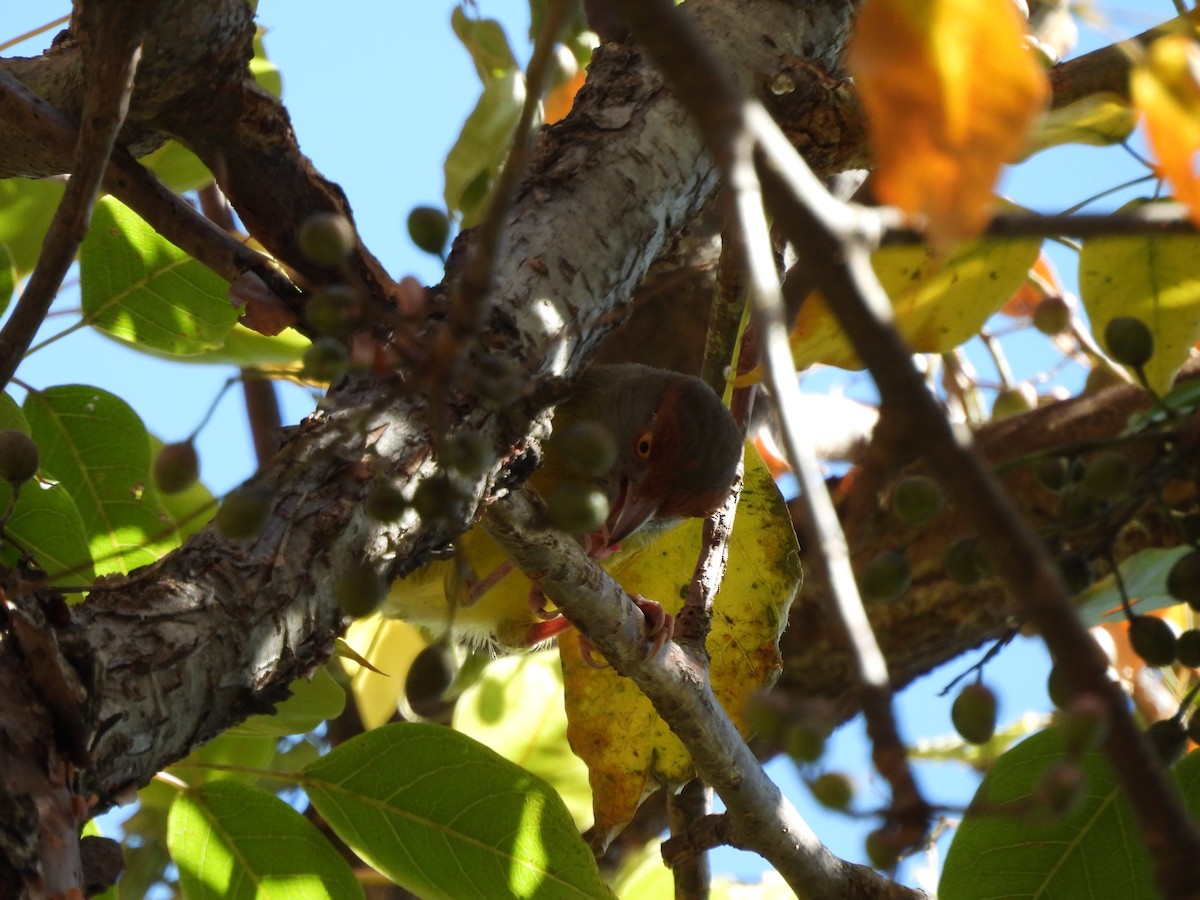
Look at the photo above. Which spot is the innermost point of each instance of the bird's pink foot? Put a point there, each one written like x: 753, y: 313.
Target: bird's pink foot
x: 541, y: 632
x: 660, y: 624
x: 537, y: 602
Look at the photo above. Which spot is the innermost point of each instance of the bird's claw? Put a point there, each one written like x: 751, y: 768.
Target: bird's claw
x: 587, y: 652
x: 660, y: 624
x: 537, y: 603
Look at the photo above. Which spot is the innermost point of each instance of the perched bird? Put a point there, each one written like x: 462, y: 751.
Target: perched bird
x: 658, y: 444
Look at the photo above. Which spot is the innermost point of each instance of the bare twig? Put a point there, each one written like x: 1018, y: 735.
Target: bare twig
x: 760, y: 817
x: 110, y: 66
x: 1151, y: 219
x: 135, y: 186
x: 692, y: 805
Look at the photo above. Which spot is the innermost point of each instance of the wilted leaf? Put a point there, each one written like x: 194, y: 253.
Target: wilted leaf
x: 628, y: 761
x: 444, y: 816
x: 1166, y: 92
x: 939, y: 302
x: 951, y: 95
x: 1154, y: 278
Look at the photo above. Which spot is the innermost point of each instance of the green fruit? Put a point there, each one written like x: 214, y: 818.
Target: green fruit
x: 964, y: 563
x: 805, y: 741
x: 244, y: 512
x: 1051, y: 472
x: 1187, y: 648
x: 587, y: 447
x: 883, y: 848
x: 326, y: 238
x: 577, y: 508
x: 326, y: 360
x: 1129, y: 341
x: 18, y: 456
x: 439, y: 499
x: 1109, y: 475
x: 1085, y: 724
x: 429, y: 229
x: 334, y: 310
x: 1052, y: 316
x: 764, y: 717
x: 885, y: 577
x: 176, y: 468
x: 359, y: 590
x: 386, y: 502
x: 465, y: 452
x: 1183, y: 581
x: 1076, y: 504
x: 498, y: 380
x: 917, y: 499
x: 1062, y: 789
x: 974, y: 713
x: 430, y: 676
x: 1169, y: 740
x: 1014, y: 401
x: 833, y: 790
x: 1153, y: 640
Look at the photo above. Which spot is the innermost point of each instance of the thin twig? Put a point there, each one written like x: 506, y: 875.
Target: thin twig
x: 693, y: 874
x: 109, y: 83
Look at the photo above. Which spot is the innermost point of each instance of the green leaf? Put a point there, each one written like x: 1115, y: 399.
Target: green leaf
x: 483, y: 145
x: 1097, y: 120
x: 1145, y: 577
x: 1151, y: 277
x: 245, y: 349
x: 178, y: 167
x: 312, y: 702
x: 26, y: 208
x: 265, y: 72
x: 1096, y: 851
x: 444, y: 816
x: 137, y: 286
x: 7, y: 279
x: 46, y: 522
x: 232, y: 840
x: 516, y: 708
x: 95, y: 445
x: 486, y: 42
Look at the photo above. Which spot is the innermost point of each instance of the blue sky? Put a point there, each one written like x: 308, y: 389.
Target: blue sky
x: 377, y: 90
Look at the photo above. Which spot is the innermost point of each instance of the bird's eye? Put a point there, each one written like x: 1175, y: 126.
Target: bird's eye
x: 644, y: 445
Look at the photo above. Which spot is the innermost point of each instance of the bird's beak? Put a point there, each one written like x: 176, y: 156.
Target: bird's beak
x: 630, y: 511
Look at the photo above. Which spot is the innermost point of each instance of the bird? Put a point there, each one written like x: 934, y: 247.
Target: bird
x: 662, y: 447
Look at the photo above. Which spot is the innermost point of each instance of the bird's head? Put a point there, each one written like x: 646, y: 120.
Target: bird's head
x: 677, y: 446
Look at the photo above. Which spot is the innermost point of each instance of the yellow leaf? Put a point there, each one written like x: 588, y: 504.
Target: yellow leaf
x: 1097, y: 120
x: 939, y: 302
x: 390, y: 646
x: 951, y: 95
x: 628, y: 749
x: 1165, y: 88
x: 1154, y: 278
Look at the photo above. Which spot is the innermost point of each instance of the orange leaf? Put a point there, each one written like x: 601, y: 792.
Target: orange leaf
x: 951, y: 94
x: 1042, y: 283
x: 559, y: 100
x: 1165, y: 88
